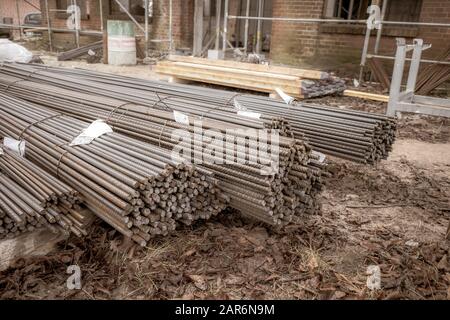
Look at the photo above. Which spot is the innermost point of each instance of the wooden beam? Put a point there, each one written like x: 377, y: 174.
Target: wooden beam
x: 228, y: 78
x: 303, y: 73
x: 366, y: 95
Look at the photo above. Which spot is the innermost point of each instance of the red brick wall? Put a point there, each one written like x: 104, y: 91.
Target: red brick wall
x: 295, y: 43
x: 182, y: 25
x: 65, y: 41
x: 8, y: 9
x: 182, y: 22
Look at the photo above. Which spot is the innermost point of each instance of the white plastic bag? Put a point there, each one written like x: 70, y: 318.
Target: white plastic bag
x: 12, y: 52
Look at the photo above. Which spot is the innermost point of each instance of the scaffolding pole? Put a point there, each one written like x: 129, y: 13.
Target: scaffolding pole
x: 259, y: 26
x: 129, y: 15
x: 146, y: 28
x: 100, y: 4
x: 225, y: 27
x: 247, y: 13
x: 170, y: 26
x: 77, y: 23
x: 47, y: 13
x: 18, y: 18
x: 218, y: 14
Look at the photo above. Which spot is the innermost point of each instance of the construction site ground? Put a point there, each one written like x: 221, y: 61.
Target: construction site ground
x: 393, y: 215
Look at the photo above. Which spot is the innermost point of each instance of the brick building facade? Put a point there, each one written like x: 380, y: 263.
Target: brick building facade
x: 9, y: 9
x: 182, y: 20
x: 290, y: 43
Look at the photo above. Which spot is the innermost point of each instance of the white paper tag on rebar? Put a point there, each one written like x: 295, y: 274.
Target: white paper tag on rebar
x: 286, y: 98
x: 14, y: 145
x: 180, y: 117
x: 1, y: 151
x: 95, y: 130
x: 249, y: 114
x: 321, y: 156
x: 238, y: 106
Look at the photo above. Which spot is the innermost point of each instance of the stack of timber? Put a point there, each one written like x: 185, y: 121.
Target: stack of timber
x: 263, y: 78
x: 273, y: 197
x: 354, y: 135
x: 30, y: 198
x: 139, y: 189
x: 77, y: 52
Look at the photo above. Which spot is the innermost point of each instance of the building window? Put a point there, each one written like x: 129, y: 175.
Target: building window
x: 135, y: 7
x: 397, y: 10
x: 346, y: 9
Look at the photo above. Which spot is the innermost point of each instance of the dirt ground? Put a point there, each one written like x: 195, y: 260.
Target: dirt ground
x: 393, y: 215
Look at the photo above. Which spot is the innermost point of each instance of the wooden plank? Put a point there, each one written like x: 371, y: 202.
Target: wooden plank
x: 275, y: 81
x: 228, y: 81
x: 303, y: 73
x: 366, y: 95
x: 233, y: 71
x: 260, y: 84
x: 214, y: 79
x: 36, y: 243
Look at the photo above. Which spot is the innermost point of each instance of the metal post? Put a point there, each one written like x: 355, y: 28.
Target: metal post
x: 225, y: 27
x: 47, y: 13
x: 397, y: 74
x: 18, y: 19
x: 170, y: 26
x: 247, y: 13
x: 130, y: 16
x: 383, y: 13
x: 414, y: 66
x: 77, y: 23
x: 364, y: 53
x: 100, y: 4
x: 198, y: 28
x: 350, y: 9
x: 259, y: 25
x: 218, y: 13
x: 146, y: 28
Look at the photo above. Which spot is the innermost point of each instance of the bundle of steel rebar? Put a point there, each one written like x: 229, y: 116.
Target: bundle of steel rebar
x: 433, y: 75
x: 31, y: 198
x: 354, y: 135
x: 139, y: 189
x: 273, y: 198
x: 74, y: 53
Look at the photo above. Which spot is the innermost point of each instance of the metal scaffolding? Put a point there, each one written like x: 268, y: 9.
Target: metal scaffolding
x: 364, y: 55
x: 407, y: 100
x: 77, y: 30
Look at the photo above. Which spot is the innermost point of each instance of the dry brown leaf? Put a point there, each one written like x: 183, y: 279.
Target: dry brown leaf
x: 199, y: 281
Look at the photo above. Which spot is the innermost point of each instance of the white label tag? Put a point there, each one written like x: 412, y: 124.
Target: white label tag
x: 1, y: 151
x: 286, y: 98
x: 321, y: 156
x: 14, y: 145
x: 95, y: 130
x: 180, y: 117
x: 238, y: 106
x: 249, y: 114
